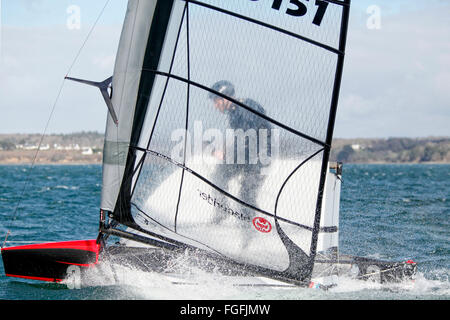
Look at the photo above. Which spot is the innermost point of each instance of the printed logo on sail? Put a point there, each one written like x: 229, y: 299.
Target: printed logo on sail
x: 262, y: 225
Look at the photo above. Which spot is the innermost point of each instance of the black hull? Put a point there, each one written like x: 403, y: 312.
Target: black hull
x: 53, y: 261
x: 377, y: 270
x: 165, y: 262
x: 50, y: 261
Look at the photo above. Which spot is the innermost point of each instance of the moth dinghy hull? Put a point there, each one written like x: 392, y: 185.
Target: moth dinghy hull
x: 57, y: 262
x: 178, y: 265
x: 51, y: 262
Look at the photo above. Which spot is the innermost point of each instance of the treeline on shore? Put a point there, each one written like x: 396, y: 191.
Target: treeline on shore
x: 392, y: 150
x: 86, y: 147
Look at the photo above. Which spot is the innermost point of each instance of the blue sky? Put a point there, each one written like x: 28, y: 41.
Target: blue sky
x: 396, y: 80
x: 29, y: 13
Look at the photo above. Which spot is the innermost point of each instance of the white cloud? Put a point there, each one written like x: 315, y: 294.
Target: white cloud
x: 397, y: 79
x: 34, y: 64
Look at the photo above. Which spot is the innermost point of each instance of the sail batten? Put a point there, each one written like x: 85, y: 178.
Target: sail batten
x: 205, y: 88
x: 322, y: 229
x: 287, y: 32
x: 231, y: 128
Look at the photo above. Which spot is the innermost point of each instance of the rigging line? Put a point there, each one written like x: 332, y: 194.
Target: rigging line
x: 291, y: 174
x: 48, y: 122
x: 167, y: 80
x: 162, y: 96
x: 338, y: 2
x: 187, y: 113
x: 265, y: 117
x: 16, y: 209
x: 88, y: 36
x: 266, y: 25
x: 167, y: 239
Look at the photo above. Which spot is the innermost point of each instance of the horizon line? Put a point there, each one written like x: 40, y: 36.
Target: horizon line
x: 342, y: 138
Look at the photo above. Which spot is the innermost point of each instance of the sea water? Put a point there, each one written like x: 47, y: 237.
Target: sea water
x: 389, y: 212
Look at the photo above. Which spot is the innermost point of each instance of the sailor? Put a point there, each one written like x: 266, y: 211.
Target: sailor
x: 249, y: 165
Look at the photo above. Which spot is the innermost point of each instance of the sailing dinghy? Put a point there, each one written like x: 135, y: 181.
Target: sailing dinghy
x: 161, y: 195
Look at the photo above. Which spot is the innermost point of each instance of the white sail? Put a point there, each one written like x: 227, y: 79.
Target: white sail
x: 284, y: 60
x: 126, y: 78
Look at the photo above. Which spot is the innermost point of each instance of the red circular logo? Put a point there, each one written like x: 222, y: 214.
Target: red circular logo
x: 262, y: 225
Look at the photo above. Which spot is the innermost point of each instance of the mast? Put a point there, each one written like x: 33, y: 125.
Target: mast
x: 330, y: 128
x: 156, y: 37
x: 127, y: 73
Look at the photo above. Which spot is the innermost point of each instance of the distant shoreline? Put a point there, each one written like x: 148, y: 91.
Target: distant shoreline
x: 48, y: 158
x: 86, y: 148
x: 51, y: 164
x: 94, y: 162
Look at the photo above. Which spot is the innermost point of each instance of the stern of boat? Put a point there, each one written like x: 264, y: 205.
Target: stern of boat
x: 52, y: 262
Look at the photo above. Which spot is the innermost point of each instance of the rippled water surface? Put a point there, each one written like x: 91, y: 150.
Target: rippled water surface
x: 391, y: 212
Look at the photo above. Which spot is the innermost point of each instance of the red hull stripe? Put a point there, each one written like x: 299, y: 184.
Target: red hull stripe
x: 34, y: 278
x: 87, y: 245
x: 80, y: 264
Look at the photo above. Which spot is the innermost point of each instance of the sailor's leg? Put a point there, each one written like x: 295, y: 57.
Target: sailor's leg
x: 221, y: 177
x: 250, y: 189
x: 251, y: 185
